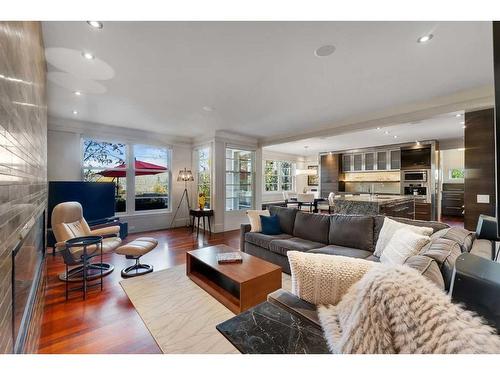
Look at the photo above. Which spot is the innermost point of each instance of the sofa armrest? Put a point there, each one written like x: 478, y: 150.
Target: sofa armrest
x: 294, y: 305
x: 244, y: 228
x: 106, y: 231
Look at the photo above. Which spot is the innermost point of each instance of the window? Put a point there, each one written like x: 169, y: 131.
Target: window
x: 147, y: 178
x: 457, y: 173
x: 278, y: 176
x: 239, y: 179
x: 151, y: 178
x: 203, y: 174
x: 106, y: 162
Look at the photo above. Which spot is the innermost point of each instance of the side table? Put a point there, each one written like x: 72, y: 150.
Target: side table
x: 204, y: 213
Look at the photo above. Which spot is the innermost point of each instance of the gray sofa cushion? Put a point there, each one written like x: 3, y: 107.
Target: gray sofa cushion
x: 427, y: 267
x: 379, y: 221
x: 373, y: 258
x: 354, y: 231
x: 445, y: 252
x: 286, y: 216
x: 263, y: 240
x: 343, y: 251
x: 462, y: 236
x: 294, y: 243
x: 312, y: 227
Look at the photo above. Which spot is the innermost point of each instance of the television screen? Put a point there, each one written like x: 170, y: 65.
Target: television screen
x: 96, y: 198
x: 496, y: 66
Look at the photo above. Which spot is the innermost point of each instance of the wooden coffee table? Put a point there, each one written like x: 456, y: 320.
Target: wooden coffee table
x: 238, y: 286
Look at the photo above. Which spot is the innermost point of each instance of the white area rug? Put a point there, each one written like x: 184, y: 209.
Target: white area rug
x: 180, y: 315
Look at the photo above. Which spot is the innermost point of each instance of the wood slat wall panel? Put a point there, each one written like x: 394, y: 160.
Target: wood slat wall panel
x: 479, y: 165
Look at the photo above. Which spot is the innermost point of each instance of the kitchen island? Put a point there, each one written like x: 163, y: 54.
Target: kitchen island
x: 389, y: 205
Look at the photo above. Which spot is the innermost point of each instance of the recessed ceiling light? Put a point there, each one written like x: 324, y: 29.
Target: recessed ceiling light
x: 395, y: 136
x: 462, y: 122
x: 378, y: 128
x: 75, y: 112
x: 207, y: 108
x: 88, y: 55
x: 386, y: 132
x: 95, y: 24
x: 458, y: 115
x: 77, y: 93
x: 325, y: 50
x: 425, y: 38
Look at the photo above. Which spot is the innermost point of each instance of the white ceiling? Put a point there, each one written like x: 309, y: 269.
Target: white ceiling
x: 261, y: 78
x: 442, y: 128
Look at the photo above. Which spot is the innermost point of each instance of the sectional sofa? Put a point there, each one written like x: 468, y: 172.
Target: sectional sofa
x: 356, y: 236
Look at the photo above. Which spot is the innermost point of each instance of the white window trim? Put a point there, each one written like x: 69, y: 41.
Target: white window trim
x: 130, y: 172
x: 253, y: 172
x: 210, y: 172
x: 280, y: 190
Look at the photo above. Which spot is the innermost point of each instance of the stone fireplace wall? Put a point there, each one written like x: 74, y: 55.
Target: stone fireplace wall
x: 23, y: 149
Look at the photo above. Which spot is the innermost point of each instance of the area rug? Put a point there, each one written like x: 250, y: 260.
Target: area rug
x: 180, y: 315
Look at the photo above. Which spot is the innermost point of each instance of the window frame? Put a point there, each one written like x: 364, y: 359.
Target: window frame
x: 197, y: 174
x: 293, y: 166
x: 251, y: 183
x: 130, y: 174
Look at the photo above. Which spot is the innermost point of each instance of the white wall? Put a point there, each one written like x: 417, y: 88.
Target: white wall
x: 451, y: 159
x: 63, y: 156
x: 64, y: 163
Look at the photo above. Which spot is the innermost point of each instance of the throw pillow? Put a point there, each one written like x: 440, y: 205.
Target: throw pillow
x: 270, y: 224
x: 254, y: 218
x: 403, y: 244
x: 323, y: 279
x: 389, y: 228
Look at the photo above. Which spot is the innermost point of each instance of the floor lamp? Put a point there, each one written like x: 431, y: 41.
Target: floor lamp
x: 187, y: 176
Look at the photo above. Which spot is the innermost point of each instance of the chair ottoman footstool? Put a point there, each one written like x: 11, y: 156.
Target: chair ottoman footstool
x: 134, y: 250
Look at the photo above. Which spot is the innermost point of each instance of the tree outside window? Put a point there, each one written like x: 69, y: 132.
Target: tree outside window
x: 203, y: 178
x: 457, y: 173
x: 278, y: 176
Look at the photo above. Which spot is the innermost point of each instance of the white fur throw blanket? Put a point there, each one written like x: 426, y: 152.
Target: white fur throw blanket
x: 393, y: 309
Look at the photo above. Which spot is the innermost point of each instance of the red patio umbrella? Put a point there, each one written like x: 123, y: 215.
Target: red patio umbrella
x: 120, y: 171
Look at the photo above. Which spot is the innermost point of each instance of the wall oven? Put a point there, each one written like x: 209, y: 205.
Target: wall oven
x: 415, y: 176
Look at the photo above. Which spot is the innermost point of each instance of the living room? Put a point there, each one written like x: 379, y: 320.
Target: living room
x: 199, y: 186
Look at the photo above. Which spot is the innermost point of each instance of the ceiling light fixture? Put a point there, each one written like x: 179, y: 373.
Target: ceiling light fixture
x: 395, y: 136
x: 378, y: 128
x: 77, y: 93
x: 75, y: 112
x: 88, y: 55
x: 386, y: 132
x: 458, y: 115
x: 324, y: 51
x: 425, y: 38
x: 95, y: 24
x: 462, y: 122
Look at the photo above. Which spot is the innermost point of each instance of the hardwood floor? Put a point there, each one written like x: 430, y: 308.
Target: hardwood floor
x: 106, y: 322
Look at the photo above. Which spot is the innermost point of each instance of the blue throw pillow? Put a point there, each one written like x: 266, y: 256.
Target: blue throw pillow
x: 270, y: 224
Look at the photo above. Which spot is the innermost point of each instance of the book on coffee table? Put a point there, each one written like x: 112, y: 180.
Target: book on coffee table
x: 234, y: 257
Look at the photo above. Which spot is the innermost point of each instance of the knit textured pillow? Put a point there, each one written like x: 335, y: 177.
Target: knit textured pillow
x: 323, y: 279
x: 403, y: 244
x: 254, y: 218
x: 389, y: 228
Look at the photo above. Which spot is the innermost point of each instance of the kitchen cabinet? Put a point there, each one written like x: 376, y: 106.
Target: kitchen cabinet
x: 381, y: 160
x: 358, y: 162
x: 369, y: 161
x: 423, y: 211
x: 395, y: 159
x: 346, y: 162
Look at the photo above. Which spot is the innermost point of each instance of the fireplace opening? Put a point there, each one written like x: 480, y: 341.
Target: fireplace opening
x: 27, y: 263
